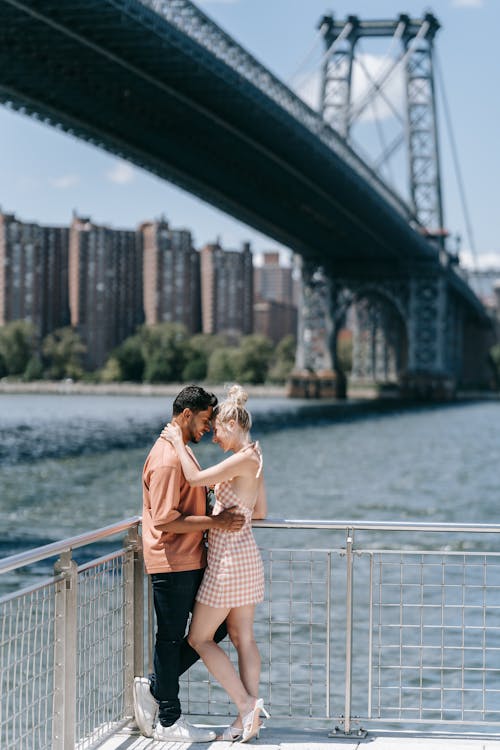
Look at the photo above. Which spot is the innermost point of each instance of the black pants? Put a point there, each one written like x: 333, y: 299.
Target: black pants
x: 174, y: 597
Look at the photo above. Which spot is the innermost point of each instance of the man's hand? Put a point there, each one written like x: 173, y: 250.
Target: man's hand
x: 228, y: 521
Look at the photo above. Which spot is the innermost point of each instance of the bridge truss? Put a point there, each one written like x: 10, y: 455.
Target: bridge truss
x: 407, y: 328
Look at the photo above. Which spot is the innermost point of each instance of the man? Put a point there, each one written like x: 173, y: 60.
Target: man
x: 173, y: 524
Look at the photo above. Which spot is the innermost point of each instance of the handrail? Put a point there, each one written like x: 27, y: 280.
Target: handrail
x: 360, y: 525
x: 56, y: 548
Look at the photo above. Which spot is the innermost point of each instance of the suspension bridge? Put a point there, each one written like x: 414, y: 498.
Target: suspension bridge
x: 156, y: 82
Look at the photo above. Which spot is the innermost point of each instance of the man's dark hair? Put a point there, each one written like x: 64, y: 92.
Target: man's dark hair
x: 195, y: 398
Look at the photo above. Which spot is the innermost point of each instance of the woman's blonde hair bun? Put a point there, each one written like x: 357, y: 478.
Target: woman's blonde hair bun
x: 233, y: 407
x: 237, y: 395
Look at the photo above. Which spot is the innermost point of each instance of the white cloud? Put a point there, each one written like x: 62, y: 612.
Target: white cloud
x: 468, y: 3
x: 307, y: 86
x: 480, y: 261
x: 65, y: 181
x: 121, y: 173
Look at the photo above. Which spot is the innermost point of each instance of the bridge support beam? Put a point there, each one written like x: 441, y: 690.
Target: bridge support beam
x: 408, y: 331
x: 313, y: 375
x: 433, y: 333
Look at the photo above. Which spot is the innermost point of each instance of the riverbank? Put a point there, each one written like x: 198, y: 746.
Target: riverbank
x: 74, y: 388
x: 355, y: 393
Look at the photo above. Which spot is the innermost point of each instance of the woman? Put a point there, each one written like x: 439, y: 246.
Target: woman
x: 234, y: 578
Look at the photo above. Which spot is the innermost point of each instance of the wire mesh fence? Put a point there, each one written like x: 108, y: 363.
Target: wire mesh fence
x: 27, y: 626
x: 347, y: 635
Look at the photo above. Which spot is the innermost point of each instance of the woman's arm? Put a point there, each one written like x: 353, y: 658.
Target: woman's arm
x: 237, y: 465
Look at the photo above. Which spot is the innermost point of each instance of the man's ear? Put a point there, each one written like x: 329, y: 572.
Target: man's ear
x: 186, y: 413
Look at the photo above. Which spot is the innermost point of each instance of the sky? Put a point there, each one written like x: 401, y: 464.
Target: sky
x: 45, y: 174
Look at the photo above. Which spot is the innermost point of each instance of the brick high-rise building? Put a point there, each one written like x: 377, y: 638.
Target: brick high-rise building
x: 105, y: 286
x: 171, y: 276
x: 273, y: 281
x: 275, y: 314
x: 227, y: 290
x: 275, y: 320
x: 33, y: 274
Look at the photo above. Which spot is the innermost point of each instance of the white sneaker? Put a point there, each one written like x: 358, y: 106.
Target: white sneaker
x: 183, y: 731
x: 145, y: 706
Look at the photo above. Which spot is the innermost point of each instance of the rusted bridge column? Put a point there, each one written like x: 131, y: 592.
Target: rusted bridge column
x: 432, y: 340
x: 313, y: 375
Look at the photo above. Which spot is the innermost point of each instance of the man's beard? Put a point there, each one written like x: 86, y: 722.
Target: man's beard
x: 193, y: 437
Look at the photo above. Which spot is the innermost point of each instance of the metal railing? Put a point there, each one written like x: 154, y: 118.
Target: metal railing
x: 355, y: 635
x: 71, y: 643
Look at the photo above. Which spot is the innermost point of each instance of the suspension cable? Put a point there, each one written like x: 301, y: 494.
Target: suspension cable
x: 387, y: 74
x: 379, y: 90
x: 456, y: 164
x: 305, y: 60
x: 333, y: 46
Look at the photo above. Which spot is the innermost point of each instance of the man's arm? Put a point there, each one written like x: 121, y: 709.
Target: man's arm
x: 226, y: 520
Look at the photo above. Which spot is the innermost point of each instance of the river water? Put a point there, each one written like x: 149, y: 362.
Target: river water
x: 70, y: 464
x: 73, y: 463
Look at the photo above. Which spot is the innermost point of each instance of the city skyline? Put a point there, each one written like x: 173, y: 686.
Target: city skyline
x: 45, y: 174
x: 108, y: 283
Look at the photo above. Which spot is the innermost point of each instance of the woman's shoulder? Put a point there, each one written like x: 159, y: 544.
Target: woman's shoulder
x: 252, y: 449
x: 253, y: 454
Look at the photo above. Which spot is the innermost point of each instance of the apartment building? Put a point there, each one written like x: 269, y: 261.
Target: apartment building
x: 171, y: 272
x: 105, y: 286
x: 33, y: 274
x: 227, y: 290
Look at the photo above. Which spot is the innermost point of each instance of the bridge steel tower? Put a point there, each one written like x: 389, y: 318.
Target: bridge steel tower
x: 407, y: 326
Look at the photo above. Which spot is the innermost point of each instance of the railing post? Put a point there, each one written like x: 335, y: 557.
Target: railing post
x: 133, y: 613
x: 348, y: 642
x: 348, y: 631
x: 65, y: 656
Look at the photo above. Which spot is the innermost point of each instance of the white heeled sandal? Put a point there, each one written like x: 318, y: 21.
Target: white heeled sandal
x: 251, y: 723
x: 231, y: 734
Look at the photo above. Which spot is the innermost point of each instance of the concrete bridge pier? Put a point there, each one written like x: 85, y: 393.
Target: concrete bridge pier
x: 314, y: 373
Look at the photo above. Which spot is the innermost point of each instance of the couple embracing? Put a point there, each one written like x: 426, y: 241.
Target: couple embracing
x: 221, y: 592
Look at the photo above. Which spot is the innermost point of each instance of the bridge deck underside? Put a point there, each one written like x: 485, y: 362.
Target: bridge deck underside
x: 120, y: 76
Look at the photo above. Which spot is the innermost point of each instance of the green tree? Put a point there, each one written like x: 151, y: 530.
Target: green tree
x: 253, y: 358
x: 34, y: 369
x: 17, y: 346
x: 283, y: 360
x: 222, y: 365
x: 164, y: 352
x: 63, y: 351
x: 198, y: 351
x: 130, y: 359
x: 111, y: 372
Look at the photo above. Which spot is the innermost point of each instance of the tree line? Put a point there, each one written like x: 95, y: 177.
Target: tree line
x: 163, y: 353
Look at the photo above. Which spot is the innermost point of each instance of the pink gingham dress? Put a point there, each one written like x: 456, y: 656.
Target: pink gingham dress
x: 234, y: 575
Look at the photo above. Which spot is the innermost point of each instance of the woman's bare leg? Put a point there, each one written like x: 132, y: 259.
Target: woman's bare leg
x: 205, y: 622
x: 240, y: 629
